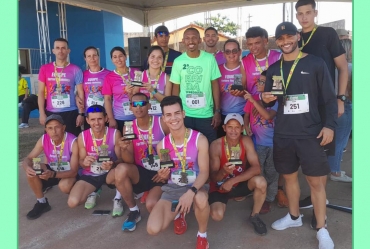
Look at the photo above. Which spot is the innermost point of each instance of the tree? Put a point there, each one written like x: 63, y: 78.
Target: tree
x: 221, y: 23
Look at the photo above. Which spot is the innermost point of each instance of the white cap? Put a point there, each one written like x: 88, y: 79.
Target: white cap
x: 235, y: 116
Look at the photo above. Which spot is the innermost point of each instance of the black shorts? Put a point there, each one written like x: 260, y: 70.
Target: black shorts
x: 145, y: 181
x: 97, y: 181
x: 69, y: 119
x: 239, y: 191
x: 290, y: 153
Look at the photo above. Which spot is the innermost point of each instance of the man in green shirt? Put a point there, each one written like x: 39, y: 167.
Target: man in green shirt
x: 194, y: 75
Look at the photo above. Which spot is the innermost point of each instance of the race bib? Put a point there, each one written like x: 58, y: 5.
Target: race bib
x: 155, y: 107
x: 176, y: 177
x: 195, y: 100
x: 61, y: 101
x: 153, y: 166
x: 296, y: 104
x: 63, y: 166
x: 95, y: 100
x: 96, y: 169
x: 126, y: 109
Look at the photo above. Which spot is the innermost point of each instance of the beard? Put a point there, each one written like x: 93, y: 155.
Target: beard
x: 294, y: 46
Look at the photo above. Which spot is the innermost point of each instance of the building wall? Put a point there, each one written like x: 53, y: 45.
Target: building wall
x: 84, y: 28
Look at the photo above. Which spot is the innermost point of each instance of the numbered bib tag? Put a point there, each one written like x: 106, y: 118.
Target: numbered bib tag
x: 61, y: 101
x: 95, y: 100
x: 96, y: 168
x: 176, y: 177
x: 196, y: 100
x: 63, y: 166
x: 296, y: 104
x: 155, y: 107
x: 126, y: 108
x: 152, y: 163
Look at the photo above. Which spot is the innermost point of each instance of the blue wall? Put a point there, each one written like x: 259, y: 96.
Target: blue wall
x: 85, y: 28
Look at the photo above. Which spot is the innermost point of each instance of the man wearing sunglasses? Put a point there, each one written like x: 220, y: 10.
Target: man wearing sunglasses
x: 99, y: 153
x: 210, y: 39
x: 259, y: 58
x: 138, y: 173
x: 162, y: 36
x: 59, y: 168
x: 194, y: 76
x: 232, y: 75
x: 186, y: 187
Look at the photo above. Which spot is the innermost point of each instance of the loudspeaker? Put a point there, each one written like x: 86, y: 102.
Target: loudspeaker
x: 138, y: 50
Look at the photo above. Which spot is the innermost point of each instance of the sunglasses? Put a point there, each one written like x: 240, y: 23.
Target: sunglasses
x: 234, y: 51
x: 95, y: 108
x: 163, y: 33
x: 139, y: 103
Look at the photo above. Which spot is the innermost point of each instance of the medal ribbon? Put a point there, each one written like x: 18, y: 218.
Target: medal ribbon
x: 150, y: 142
x: 59, y: 158
x: 183, y: 159
x: 165, y: 61
x: 227, y: 149
x: 126, y: 81
x: 309, y: 38
x: 291, y: 70
x: 155, y: 82
x: 58, y: 75
x: 266, y: 64
x: 94, y: 141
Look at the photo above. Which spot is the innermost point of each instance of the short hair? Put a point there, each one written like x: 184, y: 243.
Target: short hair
x: 256, y: 31
x: 62, y: 40
x: 91, y: 47
x: 210, y: 28
x: 191, y: 29
x: 347, y: 45
x: 264, y: 73
x: 121, y: 49
x: 96, y: 109
x: 140, y: 94
x: 153, y: 48
x: 230, y: 41
x: 171, y: 100
x: 305, y: 2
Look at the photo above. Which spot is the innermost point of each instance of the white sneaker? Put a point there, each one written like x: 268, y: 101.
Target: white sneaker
x: 91, y: 201
x: 117, y: 208
x: 325, y: 242
x: 23, y: 125
x: 287, y: 222
x: 342, y: 178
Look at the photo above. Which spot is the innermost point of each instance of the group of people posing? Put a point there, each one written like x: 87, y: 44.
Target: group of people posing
x: 200, y: 128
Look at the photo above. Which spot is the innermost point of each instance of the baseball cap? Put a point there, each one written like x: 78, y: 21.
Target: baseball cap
x: 342, y: 32
x: 161, y: 29
x: 54, y: 117
x: 235, y: 116
x: 285, y: 28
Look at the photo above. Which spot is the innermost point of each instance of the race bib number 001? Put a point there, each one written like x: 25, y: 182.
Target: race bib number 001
x: 195, y: 100
x: 296, y: 104
x: 126, y: 109
x: 63, y: 166
x: 61, y: 101
x: 95, y: 100
x: 155, y: 107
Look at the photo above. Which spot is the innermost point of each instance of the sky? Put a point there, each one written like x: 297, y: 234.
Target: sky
x: 258, y: 13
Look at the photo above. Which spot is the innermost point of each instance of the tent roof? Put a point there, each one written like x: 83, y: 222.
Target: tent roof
x: 164, y: 10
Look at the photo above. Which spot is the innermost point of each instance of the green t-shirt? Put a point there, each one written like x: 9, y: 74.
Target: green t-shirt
x: 194, y: 76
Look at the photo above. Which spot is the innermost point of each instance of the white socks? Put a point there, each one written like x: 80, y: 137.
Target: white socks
x: 136, y: 208
x: 202, y: 235
x: 41, y: 200
x: 118, y: 195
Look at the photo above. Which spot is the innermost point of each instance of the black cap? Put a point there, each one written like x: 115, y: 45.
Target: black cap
x: 285, y: 28
x: 54, y: 117
x: 161, y: 29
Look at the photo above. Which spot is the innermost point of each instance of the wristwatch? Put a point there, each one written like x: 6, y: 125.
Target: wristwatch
x: 342, y: 97
x: 218, y: 110
x: 154, y: 91
x: 194, y: 189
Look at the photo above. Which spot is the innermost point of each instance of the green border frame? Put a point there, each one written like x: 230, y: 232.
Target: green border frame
x: 9, y: 124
